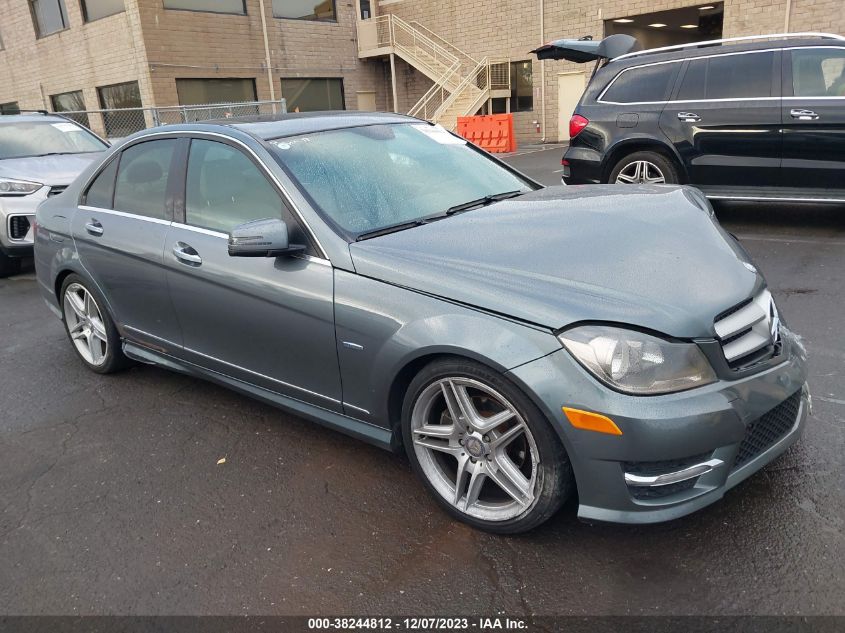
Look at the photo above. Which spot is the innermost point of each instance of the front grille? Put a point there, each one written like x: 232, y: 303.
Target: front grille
x: 56, y: 190
x: 659, y: 468
x: 746, y: 331
x: 18, y: 227
x: 767, y: 430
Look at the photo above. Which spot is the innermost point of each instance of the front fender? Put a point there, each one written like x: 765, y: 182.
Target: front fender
x: 383, y: 329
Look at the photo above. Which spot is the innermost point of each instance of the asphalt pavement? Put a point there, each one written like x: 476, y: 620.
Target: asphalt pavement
x: 115, y: 497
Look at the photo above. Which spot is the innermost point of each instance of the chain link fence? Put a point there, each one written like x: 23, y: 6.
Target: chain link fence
x: 117, y: 123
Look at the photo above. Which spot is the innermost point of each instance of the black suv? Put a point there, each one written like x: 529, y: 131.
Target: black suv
x: 748, y: 118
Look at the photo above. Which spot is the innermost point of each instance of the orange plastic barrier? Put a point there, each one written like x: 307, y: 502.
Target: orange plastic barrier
x: 492, y: 132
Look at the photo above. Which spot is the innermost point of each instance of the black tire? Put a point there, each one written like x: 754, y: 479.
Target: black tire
x: 9, y: 265
x: 554, y: 481
x: 666, y: 166
x: 114, y: 359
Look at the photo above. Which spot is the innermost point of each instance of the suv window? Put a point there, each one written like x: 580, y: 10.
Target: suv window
x: 101, y: 192
x: 224, y: 188
x: 645, y: 83
x: 743, y: 76
x: 142, y: 178
x: 818, y: 72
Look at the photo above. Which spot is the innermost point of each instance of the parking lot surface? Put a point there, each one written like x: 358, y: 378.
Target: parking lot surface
x: 114, y: 497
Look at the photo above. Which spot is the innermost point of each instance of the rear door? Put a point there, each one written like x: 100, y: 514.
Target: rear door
x: 813, y: 115
x: 724, y: 119
x: 268, y: 321
x: 119, y: 231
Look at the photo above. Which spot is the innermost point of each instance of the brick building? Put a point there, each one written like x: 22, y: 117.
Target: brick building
x: 319, y: 54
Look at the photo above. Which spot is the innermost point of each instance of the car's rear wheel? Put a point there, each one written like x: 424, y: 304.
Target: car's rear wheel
x: 649, y: 168
x: 483, y: 449
x: 9, y: 265
x: 90, y: 327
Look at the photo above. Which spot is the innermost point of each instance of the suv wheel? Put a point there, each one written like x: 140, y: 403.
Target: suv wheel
x: 90, y: 327
x: 648, y: 168
x: 9, y: 265
x: 484, y: 450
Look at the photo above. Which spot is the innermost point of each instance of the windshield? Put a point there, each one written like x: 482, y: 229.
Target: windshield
x: 20, y: 139
x: 372, y: 177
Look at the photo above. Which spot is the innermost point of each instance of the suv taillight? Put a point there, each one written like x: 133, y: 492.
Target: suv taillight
x: 576, y: 124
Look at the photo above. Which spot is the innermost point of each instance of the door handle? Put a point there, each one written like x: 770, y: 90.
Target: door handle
x: 803, y: 115
x: 94, y: 228
x: 688, y: 117
x: 186, y: 253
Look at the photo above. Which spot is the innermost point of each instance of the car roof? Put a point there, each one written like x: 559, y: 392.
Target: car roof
x: 646, y: 57
x: 33, y: 117
x: 267, y: 127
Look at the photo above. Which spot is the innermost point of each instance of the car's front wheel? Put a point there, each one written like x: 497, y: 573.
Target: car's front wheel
x: 483, y: 449
x: 648, y: 168
x: 90, y: 327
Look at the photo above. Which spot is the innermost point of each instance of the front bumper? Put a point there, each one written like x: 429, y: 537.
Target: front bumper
x: 668, y: 434
x: 22, y: 207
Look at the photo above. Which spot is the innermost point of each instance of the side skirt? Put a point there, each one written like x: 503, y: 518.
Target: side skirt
x: 375, y: 435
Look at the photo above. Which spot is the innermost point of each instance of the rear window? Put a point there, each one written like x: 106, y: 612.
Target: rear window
x: 646, y: 83
x: 745, y: 76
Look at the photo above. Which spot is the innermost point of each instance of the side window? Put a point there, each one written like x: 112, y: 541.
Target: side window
x: 818, y: 72
x: 646, y: 83
x: 224, y: 188
x: 101, y: 191
x: 695, y: 78
x: 142, y: 179
x: 742, y: 76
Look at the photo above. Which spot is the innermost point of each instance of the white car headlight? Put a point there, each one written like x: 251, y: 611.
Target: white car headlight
x: 10, y: 187
x: 637, y: 363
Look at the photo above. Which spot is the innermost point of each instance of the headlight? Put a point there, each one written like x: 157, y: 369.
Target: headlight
x: 9, y: 187
x: 637, y: 363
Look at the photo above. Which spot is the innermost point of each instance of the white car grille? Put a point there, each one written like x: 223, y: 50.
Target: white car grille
x: 750, y: 332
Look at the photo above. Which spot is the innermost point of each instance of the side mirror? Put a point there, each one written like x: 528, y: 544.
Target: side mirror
x: 261, y: 238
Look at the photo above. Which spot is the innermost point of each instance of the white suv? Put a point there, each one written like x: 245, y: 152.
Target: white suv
x: 40, y: 155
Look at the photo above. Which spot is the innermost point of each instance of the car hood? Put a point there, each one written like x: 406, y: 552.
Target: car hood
x: 652, y: 257
x: 48, y: 170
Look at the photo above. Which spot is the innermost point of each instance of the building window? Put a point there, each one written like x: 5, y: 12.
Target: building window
x: 202, y: 91
x: 305, y: 10
x: 310, y: 95
x: 71, y: 102
x: 49, y: 16
x: 10, y: 108
x: 366, y: 10
x: 522, y: 87
x: 237, y: 7
x: 121, y: 96
x: 96, y: 9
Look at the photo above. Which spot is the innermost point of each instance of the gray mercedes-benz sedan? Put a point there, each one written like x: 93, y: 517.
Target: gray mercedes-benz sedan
x: 378, y: 275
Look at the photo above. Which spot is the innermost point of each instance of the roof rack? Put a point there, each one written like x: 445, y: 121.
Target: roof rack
x: 730, y: 40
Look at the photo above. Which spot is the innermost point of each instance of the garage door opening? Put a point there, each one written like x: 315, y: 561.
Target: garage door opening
x: 667, y: 28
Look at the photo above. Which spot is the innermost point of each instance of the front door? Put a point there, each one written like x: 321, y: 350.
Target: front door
x: 268, y: 321
x: 814, y: 118
x: 119, y: 232
x: 724, y: 119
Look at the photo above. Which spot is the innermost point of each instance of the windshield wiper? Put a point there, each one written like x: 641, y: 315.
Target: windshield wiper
x: 53, y: 154
x: 483, y: 201
x: 394, y: 228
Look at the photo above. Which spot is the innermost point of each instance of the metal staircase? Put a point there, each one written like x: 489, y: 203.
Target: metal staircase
x: 461, y: 84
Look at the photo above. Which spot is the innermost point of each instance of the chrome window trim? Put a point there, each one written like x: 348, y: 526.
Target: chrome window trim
x: 249, y: 371
x: 20, y: 240
x: 600, y: 98
x: 225, y: 236
x: 191, y: 133
x: 124, y: 214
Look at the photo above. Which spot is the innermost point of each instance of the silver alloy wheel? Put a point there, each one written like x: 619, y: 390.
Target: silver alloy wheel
x: 640, y: 172
x: 475, y: 449
x: 85, y: 325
